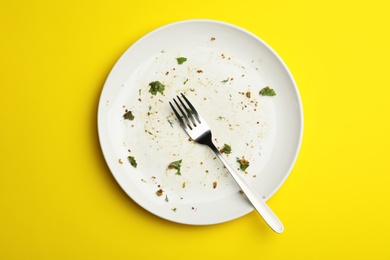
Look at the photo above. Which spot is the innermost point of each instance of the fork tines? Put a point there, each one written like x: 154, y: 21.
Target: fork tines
x: 186, y: 112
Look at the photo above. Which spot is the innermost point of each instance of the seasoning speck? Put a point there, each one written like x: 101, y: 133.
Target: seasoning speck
x: 159, y: 192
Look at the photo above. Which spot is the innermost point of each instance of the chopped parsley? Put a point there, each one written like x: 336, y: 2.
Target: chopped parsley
x: 170, y: 122
x: 226, y: 149
x: 156, y: 86
x: 175, y: 165
x: 185, y: 82
x: 181, y: 60
x: 128, y: 115
x: 132, y: 161
x: 267, y: 91
x: 225, y: 81
x: 243, y: 163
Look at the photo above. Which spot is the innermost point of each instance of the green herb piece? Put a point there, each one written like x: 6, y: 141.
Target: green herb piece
x: 225, y: 81
x: 166, y: 198
x: 169, y: 121
x: 243, y: 163
x: 181, y: 60
x: 185, y: 82
x: 132, y: 161
x: 175, y: 165
x: 128, y: 115
x: 226, y: 149
x: 267, y: 91
x: 156, y: 86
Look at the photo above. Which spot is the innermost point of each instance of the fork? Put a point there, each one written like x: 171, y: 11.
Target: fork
x: 198, y: 130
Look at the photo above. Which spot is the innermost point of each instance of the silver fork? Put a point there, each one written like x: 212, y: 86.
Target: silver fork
x: 198, y: 130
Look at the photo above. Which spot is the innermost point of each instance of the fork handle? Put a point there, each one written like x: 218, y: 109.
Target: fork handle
x: 258, y: 203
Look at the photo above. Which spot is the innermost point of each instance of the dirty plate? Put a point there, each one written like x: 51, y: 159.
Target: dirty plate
x: 221, y: 68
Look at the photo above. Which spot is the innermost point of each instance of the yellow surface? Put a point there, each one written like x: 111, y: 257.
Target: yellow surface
x: 58, y: 200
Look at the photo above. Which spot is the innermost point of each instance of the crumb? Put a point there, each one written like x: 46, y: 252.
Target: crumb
x: 159, y: 192
x: 248, y: 94
x: 183, y: 185
x: 199, y: 71
x: 214, y: 185
x: 120, y: 161
x: 212, y: 38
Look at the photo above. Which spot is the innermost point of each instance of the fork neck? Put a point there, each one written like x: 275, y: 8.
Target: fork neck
x: 205, y: 138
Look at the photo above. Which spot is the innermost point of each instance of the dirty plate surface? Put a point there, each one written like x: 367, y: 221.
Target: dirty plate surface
x: 221, y: 68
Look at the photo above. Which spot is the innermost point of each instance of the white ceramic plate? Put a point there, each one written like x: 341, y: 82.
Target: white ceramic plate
x: 226, y: 67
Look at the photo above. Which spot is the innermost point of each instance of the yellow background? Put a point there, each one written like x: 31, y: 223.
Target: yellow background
x: 58, y: 200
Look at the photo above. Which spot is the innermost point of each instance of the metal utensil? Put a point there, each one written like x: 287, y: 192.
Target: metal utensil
x: 198, y: 130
